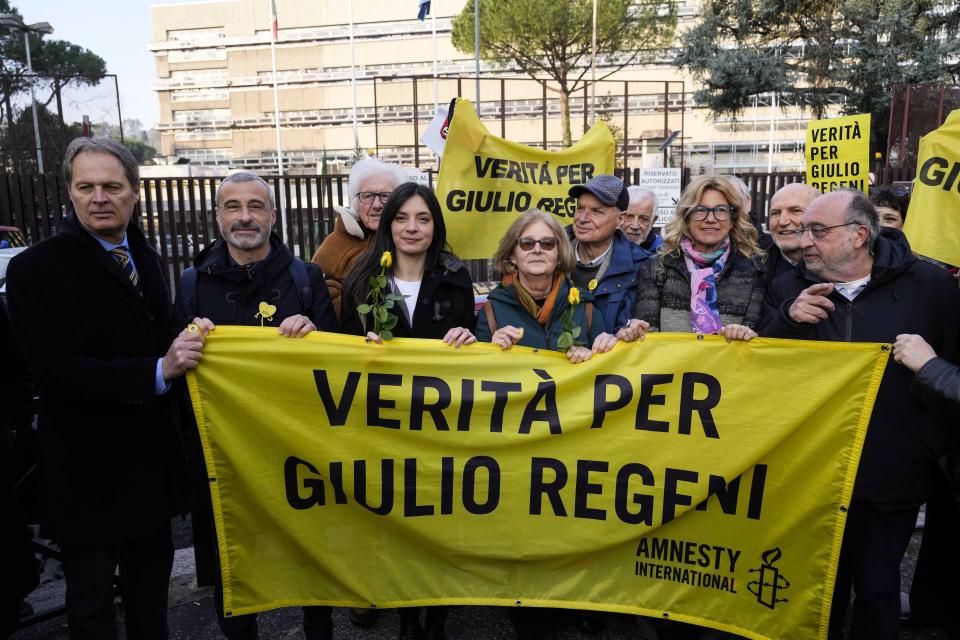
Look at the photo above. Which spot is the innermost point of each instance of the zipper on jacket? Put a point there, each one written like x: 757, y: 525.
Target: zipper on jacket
x: 849, y: 335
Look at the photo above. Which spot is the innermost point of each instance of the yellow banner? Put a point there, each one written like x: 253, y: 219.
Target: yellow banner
x: 933, y: 220
x: 486, y: 181
x: 681, y: 477
x: 838, y: 153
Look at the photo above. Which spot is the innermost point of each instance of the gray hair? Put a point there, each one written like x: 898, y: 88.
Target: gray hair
x: 639, y: 194
x: 101, y: 145
x: 369, y: 167
x: 245, y: 176
x: 747, y: 198
x: 862, y: 211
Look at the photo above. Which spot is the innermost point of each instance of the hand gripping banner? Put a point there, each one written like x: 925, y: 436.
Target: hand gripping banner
x: 485, y: 182
x: 680, y: 477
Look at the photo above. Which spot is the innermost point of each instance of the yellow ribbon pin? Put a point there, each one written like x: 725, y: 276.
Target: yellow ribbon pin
x: 266, y: 312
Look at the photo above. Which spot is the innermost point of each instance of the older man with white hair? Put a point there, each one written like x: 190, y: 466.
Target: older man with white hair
x: 370, y: 185
x: 638, y: 220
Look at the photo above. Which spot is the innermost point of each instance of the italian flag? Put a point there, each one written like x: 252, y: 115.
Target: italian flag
x: 273, y: 15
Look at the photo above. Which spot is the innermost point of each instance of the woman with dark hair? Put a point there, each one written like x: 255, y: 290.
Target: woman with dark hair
x: 708, y: 278
x: 437, y: 304
x: 437, y: 290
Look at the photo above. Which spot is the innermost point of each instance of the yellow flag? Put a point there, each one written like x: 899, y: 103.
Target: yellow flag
x: 933, y: 220
x: 486, y: 181
x: 838, y: 153
x: 679, y: 477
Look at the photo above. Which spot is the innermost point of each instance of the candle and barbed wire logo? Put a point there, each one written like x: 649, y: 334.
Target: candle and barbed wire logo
x: 770, y: 582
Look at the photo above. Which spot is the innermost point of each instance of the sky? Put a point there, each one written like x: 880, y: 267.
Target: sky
x: 116, y: 30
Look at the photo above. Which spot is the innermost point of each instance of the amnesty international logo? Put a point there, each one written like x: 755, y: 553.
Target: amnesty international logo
x: 770, y: 582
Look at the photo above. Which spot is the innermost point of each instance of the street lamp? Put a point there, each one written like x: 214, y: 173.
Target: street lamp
x: 12, y: 22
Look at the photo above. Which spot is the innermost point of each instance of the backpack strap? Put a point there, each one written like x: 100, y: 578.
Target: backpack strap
x: 491, y: 318
x: 588, y: 314
x: 301, y: 280
x: 188, y: 293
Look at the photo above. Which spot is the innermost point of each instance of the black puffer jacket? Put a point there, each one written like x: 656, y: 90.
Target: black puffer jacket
x: 445, y: 301
x: 905, y: 295
x: 229, y: 293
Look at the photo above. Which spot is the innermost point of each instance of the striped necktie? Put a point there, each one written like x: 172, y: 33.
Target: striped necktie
x: 126, y: 266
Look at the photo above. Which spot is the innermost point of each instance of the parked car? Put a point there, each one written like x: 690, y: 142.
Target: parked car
x: 6, y: 255
x: 11, y: 237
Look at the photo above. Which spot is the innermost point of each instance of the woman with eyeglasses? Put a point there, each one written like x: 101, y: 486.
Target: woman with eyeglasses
x: 708, y: 275
x: 535, y: 258
x: 370, y: 184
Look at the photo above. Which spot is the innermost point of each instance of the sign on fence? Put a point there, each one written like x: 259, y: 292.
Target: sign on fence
x: 485, y: 182
x: 665, y: 182
x: 838, y: 153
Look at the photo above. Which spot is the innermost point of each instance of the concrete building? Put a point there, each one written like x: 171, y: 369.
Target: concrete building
x: 215, y: 86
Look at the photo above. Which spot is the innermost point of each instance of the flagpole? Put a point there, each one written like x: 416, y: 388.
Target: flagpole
x: 476, y: 46
x: 593, y: 68
x: 276, y: 90
x: 353, y: 77
x: 436, y: 89
x: 276, y: 110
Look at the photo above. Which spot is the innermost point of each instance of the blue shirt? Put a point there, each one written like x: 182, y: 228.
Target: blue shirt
x: 160, y: 386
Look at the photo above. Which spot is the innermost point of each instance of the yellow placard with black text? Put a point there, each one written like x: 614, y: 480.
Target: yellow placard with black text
x: 933, y: 219
x: 485, y: 182
x: 679, y: 477
x: 838, y: 153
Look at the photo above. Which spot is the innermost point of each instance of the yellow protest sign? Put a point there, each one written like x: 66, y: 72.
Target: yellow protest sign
x: 486, y: 181
x: 933, y: 219
x: 838, y: 153
x: 678, y: 477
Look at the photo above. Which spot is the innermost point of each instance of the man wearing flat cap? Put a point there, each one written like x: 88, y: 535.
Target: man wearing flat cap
x: 604, y: 253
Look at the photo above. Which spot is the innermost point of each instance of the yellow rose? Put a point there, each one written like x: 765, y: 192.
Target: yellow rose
x: 592, y: 284
x: 386, y: 260
x: 574, y: 297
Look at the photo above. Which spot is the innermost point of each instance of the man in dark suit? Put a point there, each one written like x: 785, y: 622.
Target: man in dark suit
x: 90, y: 308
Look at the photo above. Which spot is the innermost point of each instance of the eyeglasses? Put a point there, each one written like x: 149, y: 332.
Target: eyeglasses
x: 817, y: 232
x: 526, y: 243
x: 721, y: 212
x: 366, y: 197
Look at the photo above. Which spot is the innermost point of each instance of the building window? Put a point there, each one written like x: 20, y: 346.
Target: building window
x: 195, y: 35
x: 201, y: 115
x: 199, y: 136
x: 197, y: 55
x: 199, y: 95
x: 201, y: 75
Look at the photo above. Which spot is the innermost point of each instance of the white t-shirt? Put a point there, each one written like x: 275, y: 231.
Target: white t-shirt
x: 411, y: 290
x: 852, y: 289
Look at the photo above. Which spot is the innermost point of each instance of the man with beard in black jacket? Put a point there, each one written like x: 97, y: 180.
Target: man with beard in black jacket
x: 247, y: 277
x: 858, y: 284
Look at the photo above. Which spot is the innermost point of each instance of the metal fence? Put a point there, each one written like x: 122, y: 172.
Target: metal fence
x: 177, y: 214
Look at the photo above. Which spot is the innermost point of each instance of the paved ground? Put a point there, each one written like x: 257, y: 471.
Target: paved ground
x: 191, y: 613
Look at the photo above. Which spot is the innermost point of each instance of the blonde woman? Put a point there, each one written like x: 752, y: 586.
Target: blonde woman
x: 707, y: 278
